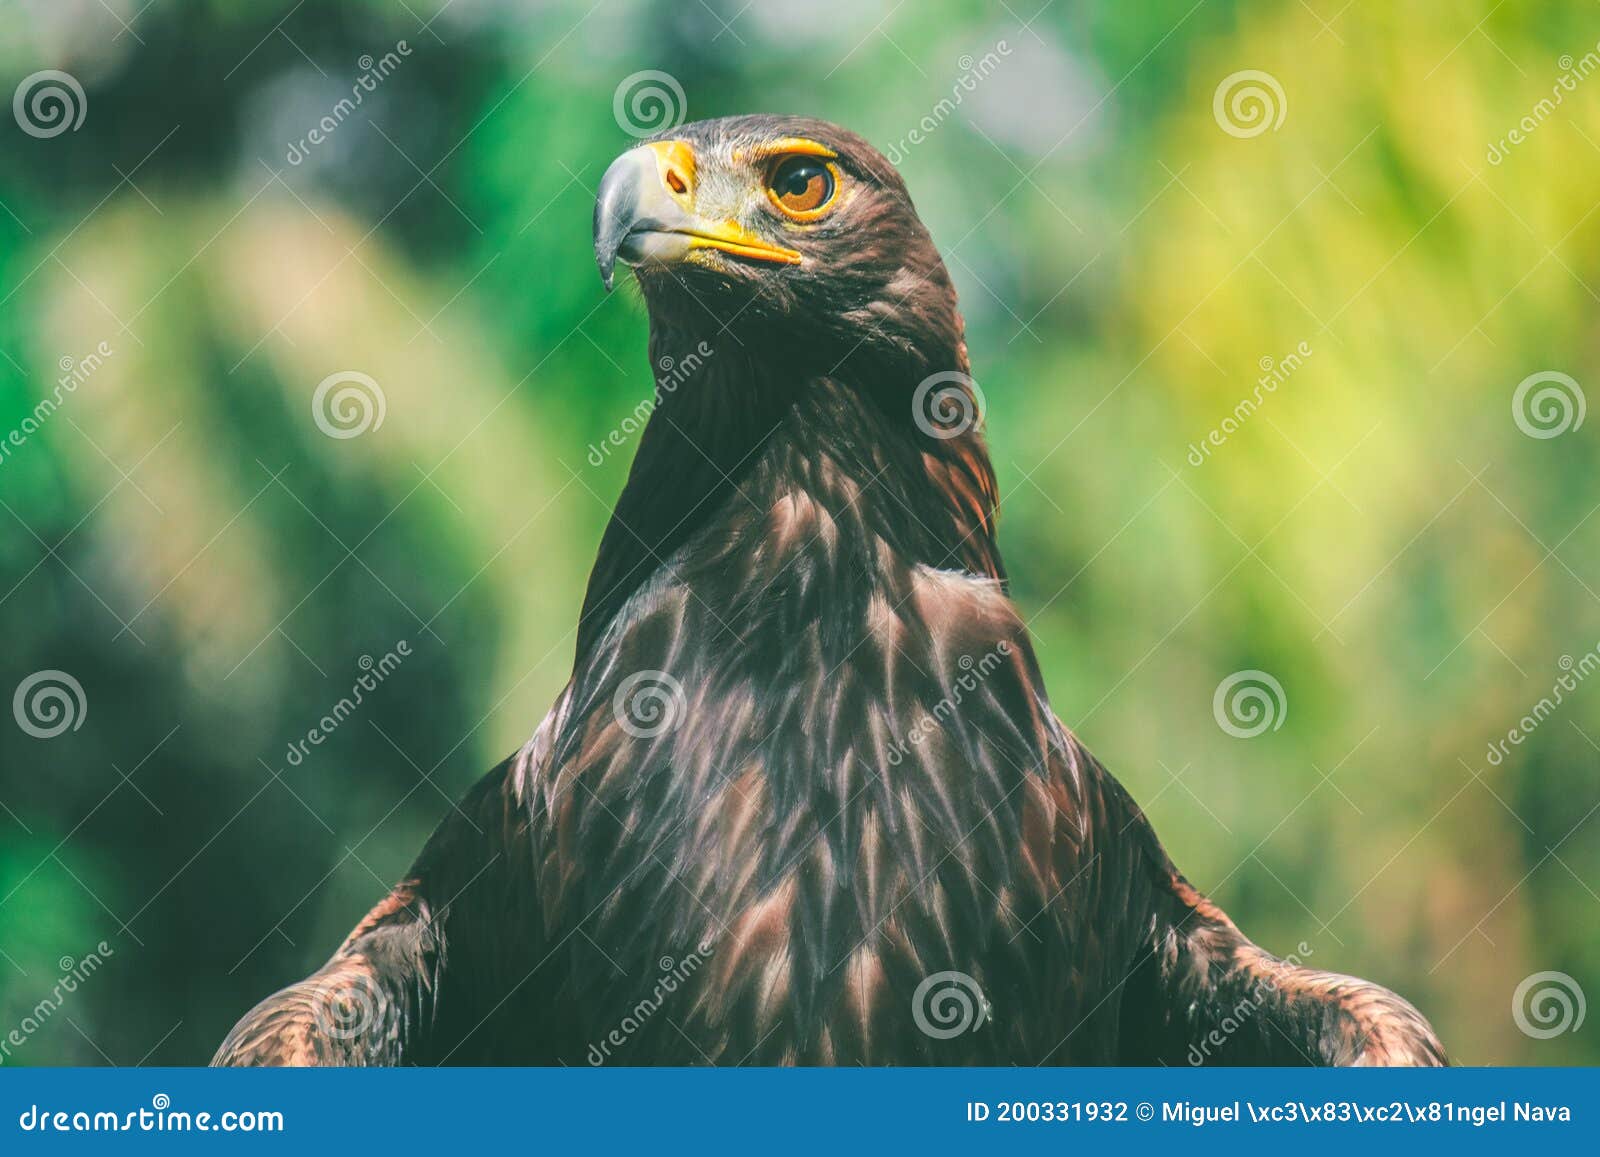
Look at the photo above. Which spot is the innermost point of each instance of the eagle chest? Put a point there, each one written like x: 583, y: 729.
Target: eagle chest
x: 791, y: 842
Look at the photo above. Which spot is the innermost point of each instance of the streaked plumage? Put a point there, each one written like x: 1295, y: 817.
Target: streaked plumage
x: 858, y: 781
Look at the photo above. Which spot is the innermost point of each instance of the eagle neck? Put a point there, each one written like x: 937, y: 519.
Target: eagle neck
x: 747, y: 443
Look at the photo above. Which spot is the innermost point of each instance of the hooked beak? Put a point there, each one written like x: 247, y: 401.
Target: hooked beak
x: 645, y: 212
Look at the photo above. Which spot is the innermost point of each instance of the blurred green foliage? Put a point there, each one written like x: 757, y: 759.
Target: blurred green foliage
x: 1379, y: 534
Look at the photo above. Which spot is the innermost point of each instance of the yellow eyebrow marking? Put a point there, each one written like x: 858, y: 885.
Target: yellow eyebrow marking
x: 786, y: 147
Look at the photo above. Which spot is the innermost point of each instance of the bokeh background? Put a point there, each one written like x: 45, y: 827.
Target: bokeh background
x: 1381, y: 535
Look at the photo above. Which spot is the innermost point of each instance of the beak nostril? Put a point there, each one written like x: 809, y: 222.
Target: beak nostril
x: 644, y: 212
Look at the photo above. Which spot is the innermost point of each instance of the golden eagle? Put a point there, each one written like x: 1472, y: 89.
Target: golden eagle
x: 804, y: 799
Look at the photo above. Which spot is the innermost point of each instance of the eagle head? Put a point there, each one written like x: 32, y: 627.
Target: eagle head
x: 788, y: 228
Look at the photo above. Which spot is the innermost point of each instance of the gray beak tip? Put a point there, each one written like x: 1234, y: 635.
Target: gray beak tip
x: 616, y: 208
x: 632, y: 211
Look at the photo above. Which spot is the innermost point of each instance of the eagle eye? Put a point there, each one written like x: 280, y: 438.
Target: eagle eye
x: 802, y: 187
